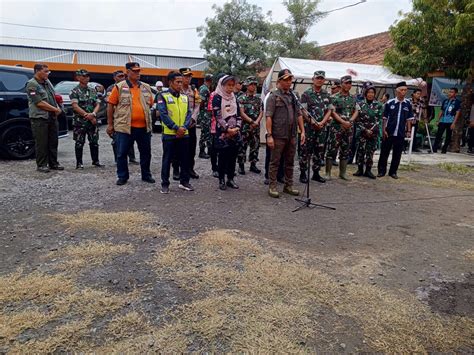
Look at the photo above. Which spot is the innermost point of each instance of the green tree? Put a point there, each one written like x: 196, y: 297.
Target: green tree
x: 436, y: 35
x: 289, y: 38
x: 236, y: 39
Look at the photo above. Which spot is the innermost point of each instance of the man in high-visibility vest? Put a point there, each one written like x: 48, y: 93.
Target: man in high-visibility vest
x: 175, y: 114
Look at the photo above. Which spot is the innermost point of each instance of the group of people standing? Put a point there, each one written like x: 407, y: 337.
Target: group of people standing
x: 319, y: 125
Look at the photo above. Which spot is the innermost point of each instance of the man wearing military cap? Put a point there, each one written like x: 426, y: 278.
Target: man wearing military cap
x: 318, y: 103
x: 335, y: 87
x: 86, y: 104
x: 251, y: 111
x: 283, y: 117
x: 205, y: 117
x: 345, y: 113
x: 194, y: 103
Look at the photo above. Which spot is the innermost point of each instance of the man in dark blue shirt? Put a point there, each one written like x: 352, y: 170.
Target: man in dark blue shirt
x: 448, y: 116
x: 397, y: 114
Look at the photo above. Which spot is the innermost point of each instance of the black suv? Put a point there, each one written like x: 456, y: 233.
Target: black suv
x: 16, y: 138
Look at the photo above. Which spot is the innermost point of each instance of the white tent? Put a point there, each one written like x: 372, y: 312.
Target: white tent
x: 303, y: 70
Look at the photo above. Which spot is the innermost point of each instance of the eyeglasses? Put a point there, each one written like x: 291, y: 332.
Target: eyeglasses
x: 136, y: 70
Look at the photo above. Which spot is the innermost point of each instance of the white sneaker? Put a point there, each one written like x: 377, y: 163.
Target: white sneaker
x: 186, y: 187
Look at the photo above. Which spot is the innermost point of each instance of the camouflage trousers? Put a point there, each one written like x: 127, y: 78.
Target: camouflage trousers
x: 205, y: 140
x: 314, y: 146
x: 83, y: 129
x: 250, y: 138
x: 366, y: 150
x: 339, y: 141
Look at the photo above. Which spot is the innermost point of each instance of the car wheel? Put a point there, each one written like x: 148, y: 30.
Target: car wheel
x: 17, y: 142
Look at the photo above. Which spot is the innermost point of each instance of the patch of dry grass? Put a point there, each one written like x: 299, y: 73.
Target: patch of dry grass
x: 89, y: 254
x: 128, y: 325
x: 134, y: 223
x: 252, y: 300
x: 460, y: 169
x: 469, y: 254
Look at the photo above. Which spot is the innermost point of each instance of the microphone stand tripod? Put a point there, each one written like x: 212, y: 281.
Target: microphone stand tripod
x: 306, y: 201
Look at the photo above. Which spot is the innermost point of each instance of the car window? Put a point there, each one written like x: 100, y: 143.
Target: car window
x: 65, y: 87
x: 12, y: 81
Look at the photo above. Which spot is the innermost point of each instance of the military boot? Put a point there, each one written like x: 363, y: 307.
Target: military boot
x: 203, y: 155
x: 291, y: 191
x: 241, y: 169
x: 317, y: 177
x: 95, y: 156
x: 328, y: 169
x: 79, y: 164
x: 254, y: 169
x: 360, y: 170
x: 343, y: 169
x: 368, y: 173
x: 303, y: 177
x: 272, y: 192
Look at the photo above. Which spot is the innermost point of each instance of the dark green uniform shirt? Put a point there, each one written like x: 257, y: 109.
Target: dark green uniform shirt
x: 37, y: 92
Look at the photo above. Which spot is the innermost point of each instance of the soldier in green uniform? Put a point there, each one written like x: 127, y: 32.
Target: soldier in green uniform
x: 251, y: 111
x: 43, y: 112
x: 368, y: 123
x: 204, y: 118
x: 85, y: 104
x: 345, y: 113
x: 318, y: 104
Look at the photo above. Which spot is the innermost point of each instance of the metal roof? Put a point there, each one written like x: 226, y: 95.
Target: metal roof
x: 100, y: 47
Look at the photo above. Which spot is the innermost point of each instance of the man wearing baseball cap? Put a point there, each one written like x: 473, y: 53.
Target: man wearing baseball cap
x: 283, y: 118
x: 129, y: 116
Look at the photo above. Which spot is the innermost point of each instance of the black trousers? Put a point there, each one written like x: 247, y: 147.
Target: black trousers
x: 397, y: 144
x: 439, y: 136
x: 470, y: 142
x: 213, y: 152
x: 227, y: 158
x: 191, y: 151
x: 175, y: 148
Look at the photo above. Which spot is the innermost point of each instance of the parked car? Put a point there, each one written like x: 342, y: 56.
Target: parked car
x: 16, y: 137
x: 64, y: 88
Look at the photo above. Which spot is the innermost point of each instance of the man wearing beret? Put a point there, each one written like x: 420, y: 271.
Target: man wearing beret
x: 345, y: 113
x: 129, y: 116
x: 397, y: 115
x: 283, y: 118
x: 319, y: 106
x: 86, y: 104
x: 251, y: 111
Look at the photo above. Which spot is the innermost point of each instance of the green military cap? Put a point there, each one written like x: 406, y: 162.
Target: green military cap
x: 346, y: 79
x: 251, y: 80
x: 82, y: 72
x: 319, y: 73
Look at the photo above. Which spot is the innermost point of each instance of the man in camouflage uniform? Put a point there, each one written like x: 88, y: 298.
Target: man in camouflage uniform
x: 119, y: 76
x: 419, y: 113
x: 238, y: 92
x: 318, y: 103
x: 251, y: 111
x: 345, y: 113
x: 205, y: 118
x: 85, y: 104
x: 368, y: 123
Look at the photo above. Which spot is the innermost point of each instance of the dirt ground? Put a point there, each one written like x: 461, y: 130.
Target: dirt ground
x: 86, y: 265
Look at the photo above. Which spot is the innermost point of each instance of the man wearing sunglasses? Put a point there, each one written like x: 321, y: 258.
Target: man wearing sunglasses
x: 119, y: 76
x: 86, y: 104
x: 43, y: 112
x: 129, y: 117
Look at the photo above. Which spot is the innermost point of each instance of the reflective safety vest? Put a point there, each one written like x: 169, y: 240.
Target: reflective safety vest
x: 177, y: 110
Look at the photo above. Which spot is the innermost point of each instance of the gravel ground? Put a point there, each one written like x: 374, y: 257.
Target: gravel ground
x: 414, y: 235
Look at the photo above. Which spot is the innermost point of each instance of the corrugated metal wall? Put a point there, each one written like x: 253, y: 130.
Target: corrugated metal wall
x: 98, y: 58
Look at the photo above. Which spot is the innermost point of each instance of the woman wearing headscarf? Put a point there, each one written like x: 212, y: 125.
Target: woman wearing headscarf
x: 226, y: 111
x: 370, y: 119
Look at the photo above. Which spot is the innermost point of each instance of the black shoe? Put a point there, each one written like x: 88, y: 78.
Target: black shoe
x: 43, y: 169
x: 56, y: 167
x: 203, y: 155
x: 232, y: 184
x: 193, y: 175
x: 121, y: 182
x: 133, y: 161
x: 165, y: 190
x: 318, y: 178
x: 149, y: 180
x: 394, y: 176
x: 222, y: 184
x: 254, y: 169
x: 360, y: 171
x: 303, y: 177
x: 97, y: 164
x: 79, y: 166
x: 380, y: 175
x: 215, y: 174
x: 416, y: 150
x: 281, y: 180
x: 241, y: 169
x: 443, y: 152
x: 186, y: 186
x: 369, y: 174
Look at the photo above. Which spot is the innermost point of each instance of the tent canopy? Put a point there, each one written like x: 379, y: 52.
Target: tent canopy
x: 303, y: 70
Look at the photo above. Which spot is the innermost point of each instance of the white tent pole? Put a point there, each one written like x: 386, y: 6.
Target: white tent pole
x: 428, y: 135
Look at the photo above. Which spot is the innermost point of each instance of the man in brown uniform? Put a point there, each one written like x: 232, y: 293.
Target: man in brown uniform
x: 283, y: 117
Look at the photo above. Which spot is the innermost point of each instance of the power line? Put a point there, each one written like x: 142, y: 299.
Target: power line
x: 95, y: 30
x: 344, y: 7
